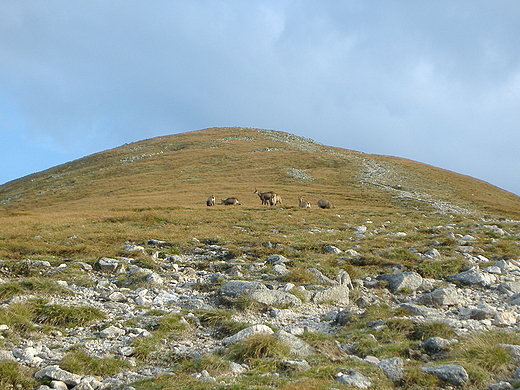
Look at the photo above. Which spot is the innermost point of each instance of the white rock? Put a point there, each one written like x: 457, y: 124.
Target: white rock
x: 58, y: 385
x: 505, y: 318
x: 164, y: 298
x: 111, y: 332
x: 56, y: 373
x: 354, y: 379
x: 245, y: 333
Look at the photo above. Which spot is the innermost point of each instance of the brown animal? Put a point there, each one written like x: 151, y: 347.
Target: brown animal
x: 229, y: 201
x: 325, y: 204
x: 210, y: 201
x: 275, y: 200
x: 303, y: 204
x: 265, y: 197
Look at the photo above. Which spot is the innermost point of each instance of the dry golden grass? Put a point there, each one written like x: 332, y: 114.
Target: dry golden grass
x: 157, y: 189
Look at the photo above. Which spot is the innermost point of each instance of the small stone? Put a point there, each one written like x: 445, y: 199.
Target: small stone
x: 117, y: 297
x: 500, y: 386
x: 297, y: 365
x: 237, y: 369
x: 433, y: 253
x: 235, y: 288
x: 111, y: 332
x: 505, y: 318
x: 280, y: 269
x: 275, y: 298
x: 331, y: 249
x: 436, y: 344
x: 277, y: 259
x: 472, y: 277
x: 58, y: 385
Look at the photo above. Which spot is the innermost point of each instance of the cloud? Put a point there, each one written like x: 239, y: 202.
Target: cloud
x: 434, y: 81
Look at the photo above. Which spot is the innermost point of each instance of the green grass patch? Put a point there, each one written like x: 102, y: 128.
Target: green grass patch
x: 15, y: 376
x: 67, y: 316
x: 484, y: 350
x: 32, y: 285
x: 81, y: 363
x: 439, y: 269
x: 257, y: 347
x: 432, y: 329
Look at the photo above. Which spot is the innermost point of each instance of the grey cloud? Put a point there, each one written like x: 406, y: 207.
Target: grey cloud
x: 437, y: 81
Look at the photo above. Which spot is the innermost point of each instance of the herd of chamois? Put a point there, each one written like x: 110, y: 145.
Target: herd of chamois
x: 272, y: 199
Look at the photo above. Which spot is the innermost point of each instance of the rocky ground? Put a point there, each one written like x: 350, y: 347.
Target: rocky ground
x: 134, y: 296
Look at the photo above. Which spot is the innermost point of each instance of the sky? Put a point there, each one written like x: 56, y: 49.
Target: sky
x: 436, y: 81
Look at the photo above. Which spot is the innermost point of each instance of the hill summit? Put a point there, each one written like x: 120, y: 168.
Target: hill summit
x: 184, y: 169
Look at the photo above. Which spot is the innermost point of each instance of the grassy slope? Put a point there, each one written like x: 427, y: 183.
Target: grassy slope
x: 157, y: 188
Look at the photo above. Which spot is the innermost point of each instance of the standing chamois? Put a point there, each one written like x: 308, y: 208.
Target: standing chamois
x: 265, y: 197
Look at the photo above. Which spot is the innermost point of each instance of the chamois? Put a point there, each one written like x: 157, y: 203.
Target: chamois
x: 275, y: 200
x: 265, y: 197
x: 229, y: 201
x: 210, y: 201
x: 325, y: 204
x: 303, y: 204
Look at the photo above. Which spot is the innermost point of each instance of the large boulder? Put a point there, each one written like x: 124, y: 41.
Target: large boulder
x: 236, y: 288
x: 473, y: 276
x: 111, y: 266
x: 443, y: 296
x: 338, y: 294
x: 509, y: 287
x: 354, y: 379
x: 451, y: 373
x: 392, y: 368
x: 276, y: 298
x: 296, y: 345
x: 343, y: 278
x: 436, y: 344
x: 402, y: 281
x: 57, y: 374
x: 322, y: 279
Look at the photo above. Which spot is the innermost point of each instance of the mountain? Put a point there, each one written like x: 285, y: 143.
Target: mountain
x: 182, y: 170
x: 114, y: 273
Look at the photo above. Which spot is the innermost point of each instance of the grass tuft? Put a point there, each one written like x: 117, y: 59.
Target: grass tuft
x: 14, y: 376
x: 58, y: 315
x: 81, y: 363
x: 257, y: 347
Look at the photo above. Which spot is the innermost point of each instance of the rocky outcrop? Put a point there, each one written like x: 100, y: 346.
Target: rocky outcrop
x: 484, y: 296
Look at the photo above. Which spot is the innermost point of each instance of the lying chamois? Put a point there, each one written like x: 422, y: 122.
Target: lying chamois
x: 325, y: 204
x: 229, y: 201
x: 265, y: 197
x: 303, y: 204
